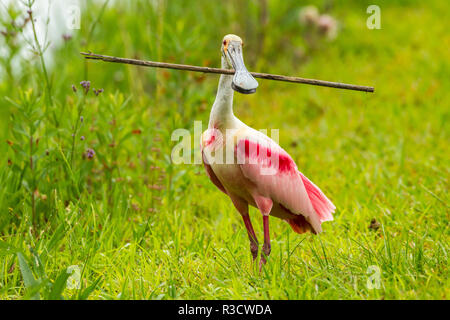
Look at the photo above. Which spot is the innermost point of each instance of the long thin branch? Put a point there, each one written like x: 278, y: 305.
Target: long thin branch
x: 166, y: 65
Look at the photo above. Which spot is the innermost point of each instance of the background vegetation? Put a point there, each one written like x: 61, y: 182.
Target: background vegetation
x: 87, y: 182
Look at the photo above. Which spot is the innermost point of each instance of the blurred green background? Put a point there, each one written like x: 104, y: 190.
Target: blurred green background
x: 87, y: 181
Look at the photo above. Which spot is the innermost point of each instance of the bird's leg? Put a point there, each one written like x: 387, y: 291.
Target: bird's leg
x: 265, y: 206
x: 242, y: 206
x: 266, y: 246
x: 251, y: 236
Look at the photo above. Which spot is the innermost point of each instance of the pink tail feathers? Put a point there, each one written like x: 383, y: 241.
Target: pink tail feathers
x: 321, y: 204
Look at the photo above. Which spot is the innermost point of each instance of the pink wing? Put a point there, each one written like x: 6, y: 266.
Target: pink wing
x: 276, y: 176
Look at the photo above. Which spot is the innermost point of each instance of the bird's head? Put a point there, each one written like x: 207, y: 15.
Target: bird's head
x: 243, y: 81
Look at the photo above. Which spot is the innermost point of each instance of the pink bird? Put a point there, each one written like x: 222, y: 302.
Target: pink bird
x: 251, y: 168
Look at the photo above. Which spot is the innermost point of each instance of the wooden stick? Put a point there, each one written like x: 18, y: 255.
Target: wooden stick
x: 93, y: 56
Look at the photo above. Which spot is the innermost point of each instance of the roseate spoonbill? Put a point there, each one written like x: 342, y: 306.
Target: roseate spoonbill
x: 256, y: 171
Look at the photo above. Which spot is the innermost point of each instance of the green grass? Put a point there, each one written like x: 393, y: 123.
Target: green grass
x: 139, y: 227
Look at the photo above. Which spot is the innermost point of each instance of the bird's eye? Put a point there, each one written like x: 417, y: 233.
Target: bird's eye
x: 224, y: 42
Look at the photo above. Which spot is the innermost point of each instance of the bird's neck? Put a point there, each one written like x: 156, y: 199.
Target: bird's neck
x: 222, y: 110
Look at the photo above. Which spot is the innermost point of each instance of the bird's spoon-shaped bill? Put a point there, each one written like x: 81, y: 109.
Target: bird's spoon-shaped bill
x: 243, y: 81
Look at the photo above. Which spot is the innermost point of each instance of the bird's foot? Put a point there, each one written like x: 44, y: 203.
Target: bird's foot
x: 264, y: 255
x: 254, y: 250
x: 262, y: 262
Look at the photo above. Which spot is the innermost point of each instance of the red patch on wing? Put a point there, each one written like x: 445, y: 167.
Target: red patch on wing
x: 211, y: 139
x: 254, y: 151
